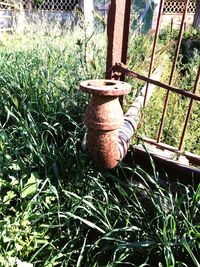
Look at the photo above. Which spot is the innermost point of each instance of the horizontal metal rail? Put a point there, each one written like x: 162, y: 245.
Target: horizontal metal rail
x: 193, y: 158
x: 120, y: 67
x: 175, y: 170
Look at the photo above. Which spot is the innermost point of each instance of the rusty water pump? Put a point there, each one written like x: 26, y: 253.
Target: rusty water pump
x: 109, y: 132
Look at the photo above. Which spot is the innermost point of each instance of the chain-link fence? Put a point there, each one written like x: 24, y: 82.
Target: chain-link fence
x: 7, y: 5
x: 57, y: 5
x: 176, y: 7
x: 100, y: 6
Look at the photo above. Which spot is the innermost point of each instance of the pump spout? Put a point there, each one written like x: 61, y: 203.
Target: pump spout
x: 109, y: 131
x: 103, y: 118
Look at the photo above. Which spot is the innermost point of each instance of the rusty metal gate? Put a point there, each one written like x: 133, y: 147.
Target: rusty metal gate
x: 118, y: 36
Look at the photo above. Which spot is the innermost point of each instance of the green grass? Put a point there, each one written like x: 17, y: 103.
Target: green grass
x: 56, y: 208
x: 175, y: 117
x: 184, y: 78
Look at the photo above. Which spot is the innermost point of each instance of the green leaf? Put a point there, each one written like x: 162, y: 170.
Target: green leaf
x: 30, y: 187
x: 8, y: 197
x: 187, y: 247
x: 90, y: 224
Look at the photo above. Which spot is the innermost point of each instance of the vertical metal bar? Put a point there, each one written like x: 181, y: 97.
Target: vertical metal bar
x: 118, y: 32
x: 181, y: 144
x: 154, y: 47
x: 173, y: 69
x: 185, y: 26
x: 172, y: 23
x: 126, y: 29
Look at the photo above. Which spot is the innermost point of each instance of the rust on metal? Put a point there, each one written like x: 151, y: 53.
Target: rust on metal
x: 117, y: 31
x: 181, y: 144
x: 103, y: 117
x: 123, y: 68
x: 193, y: 158
x: 105, y: 87
x: 181, y: 31
x: 154, y: 47
x: 186, y: 174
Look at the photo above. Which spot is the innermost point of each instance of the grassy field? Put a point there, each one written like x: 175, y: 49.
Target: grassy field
x: 184, y: 78
x: 56, y: 208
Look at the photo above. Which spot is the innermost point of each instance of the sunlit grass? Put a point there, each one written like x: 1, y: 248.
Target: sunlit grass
x: 56, y: 208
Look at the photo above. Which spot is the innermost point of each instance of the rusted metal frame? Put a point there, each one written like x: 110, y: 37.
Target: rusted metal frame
x: 118, y: 33
x: 181, y: 144
x: 181, y: 31
x: 154, y: 47
x: 126, y: 34
x: 171, y: 25
x: 122, y: 68
x: 193, y: 158
x: 174, y: 170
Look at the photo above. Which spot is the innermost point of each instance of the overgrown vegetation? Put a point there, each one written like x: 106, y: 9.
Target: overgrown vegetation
x: 184, y: 78
x: 56, y: 208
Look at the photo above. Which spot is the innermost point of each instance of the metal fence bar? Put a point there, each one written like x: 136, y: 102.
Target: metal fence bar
x: 118, y: 31
x: 116, y: 68
x: 154, y: 47
x: 181, y: 144
x: 174, y: 169
x: 123, y: 68
x: 193, y: 158
x: 173, y: 70
x: 126, y: 34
